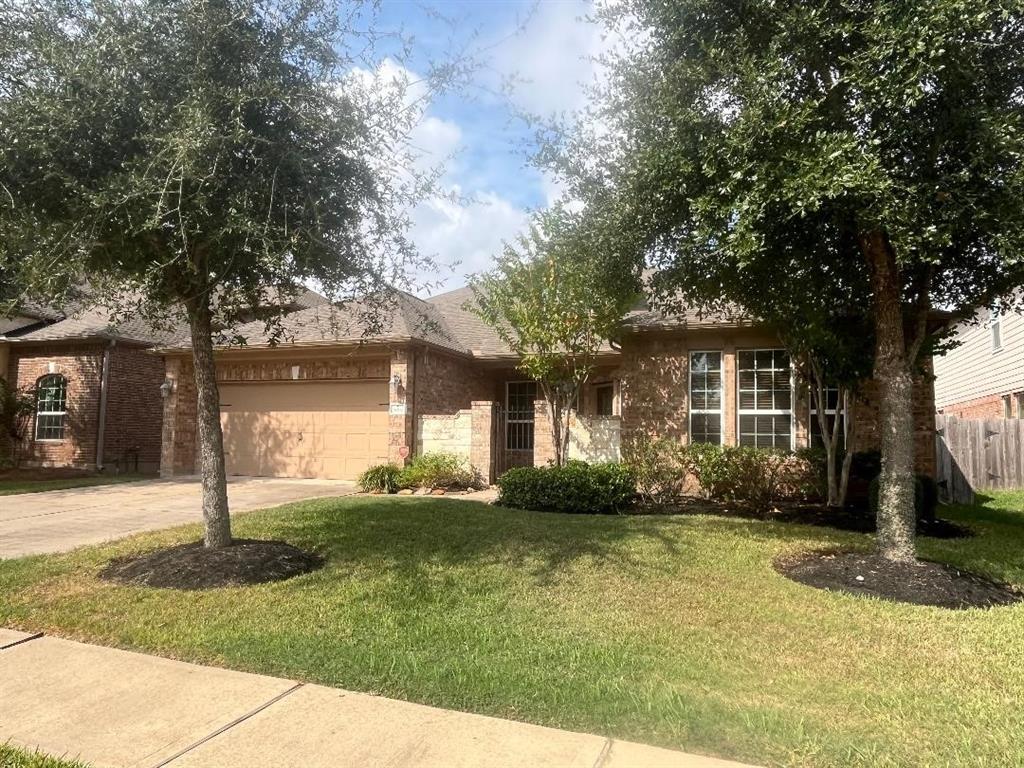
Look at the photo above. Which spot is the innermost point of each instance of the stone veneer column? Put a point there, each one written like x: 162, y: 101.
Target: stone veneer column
x: 402, y: 400
x: 481, y: 442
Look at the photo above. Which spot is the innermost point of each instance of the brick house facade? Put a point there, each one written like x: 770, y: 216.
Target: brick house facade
x: 118, y: 432
x: 438, y: 379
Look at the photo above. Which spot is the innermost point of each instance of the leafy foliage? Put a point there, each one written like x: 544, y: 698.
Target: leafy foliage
x: 656, y: 465
x: 16, y: 409
x: 866, y: 156
x: 575, y: 488
x: 549, y: 301
x: 201, y: 159
x: 438, y: 470
x: 756, y: 478
x: 382, y: 478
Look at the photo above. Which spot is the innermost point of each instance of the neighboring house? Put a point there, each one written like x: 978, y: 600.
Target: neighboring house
x: 983, y: 376
x: 97, y: 385
x: 337, y: 396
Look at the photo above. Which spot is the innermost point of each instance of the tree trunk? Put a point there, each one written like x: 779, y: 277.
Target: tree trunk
x: 851, y: 434
x: 896, y: 516
x: 211, y: 439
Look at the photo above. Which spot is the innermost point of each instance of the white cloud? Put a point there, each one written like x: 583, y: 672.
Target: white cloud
x: 469, y: 233
x: 554, y: 55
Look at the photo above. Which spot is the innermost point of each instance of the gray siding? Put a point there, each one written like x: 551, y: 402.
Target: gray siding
x: 974, y: 370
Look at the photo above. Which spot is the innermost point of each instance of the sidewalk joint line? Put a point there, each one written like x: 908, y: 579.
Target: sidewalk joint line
x: 36, y: 636
x: 228, y: 727
x: 605, y: 751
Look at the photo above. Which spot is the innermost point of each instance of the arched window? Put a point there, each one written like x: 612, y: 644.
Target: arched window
x: 51, y: 407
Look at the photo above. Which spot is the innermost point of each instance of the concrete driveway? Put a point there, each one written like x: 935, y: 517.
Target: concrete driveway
x: 56, y: 521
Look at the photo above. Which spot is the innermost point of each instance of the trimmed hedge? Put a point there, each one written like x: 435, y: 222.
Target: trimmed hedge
x: 577, y: 488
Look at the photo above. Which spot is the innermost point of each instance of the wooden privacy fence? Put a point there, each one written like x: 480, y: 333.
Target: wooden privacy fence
x: 978, y: 454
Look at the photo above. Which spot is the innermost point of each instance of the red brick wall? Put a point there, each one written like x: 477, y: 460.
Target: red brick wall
x: 134, y: 410
x: 988, y: 407
x: 654, y: 392
x: 81, y: 365
x: 447, y: 384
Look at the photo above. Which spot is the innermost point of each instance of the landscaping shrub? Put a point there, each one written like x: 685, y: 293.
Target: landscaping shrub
x: 382, y: 478
x: 656, y: 466
x: 438, y: 470
x: 753, y: 477
x: 576, y: 488
x: 926, y: 497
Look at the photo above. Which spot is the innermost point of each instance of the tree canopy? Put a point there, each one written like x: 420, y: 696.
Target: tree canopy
x: 867, y: 153
x: 199, y: 157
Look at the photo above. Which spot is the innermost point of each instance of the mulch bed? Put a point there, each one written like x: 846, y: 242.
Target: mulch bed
x: 193, y: 566
x: 846, y: 519
x: 919, y: 583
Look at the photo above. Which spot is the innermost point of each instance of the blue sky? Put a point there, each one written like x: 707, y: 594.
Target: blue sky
x: 546, y: 46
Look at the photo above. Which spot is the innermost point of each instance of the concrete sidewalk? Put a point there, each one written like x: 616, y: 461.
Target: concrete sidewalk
x: 115, y: 708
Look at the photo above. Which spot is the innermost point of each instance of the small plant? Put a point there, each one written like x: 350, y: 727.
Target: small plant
x: 16, y: 409
x: 382, y: 478
x: 576, y: 488
x: 657, y: 467
x: 439, y: 470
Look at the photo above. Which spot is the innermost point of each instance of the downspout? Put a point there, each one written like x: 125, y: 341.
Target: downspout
x: 101, y: 432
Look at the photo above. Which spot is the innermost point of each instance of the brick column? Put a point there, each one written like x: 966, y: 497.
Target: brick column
x: 179, y: 434
x: 401, y: 419
x: 543, y: 449
x: 481, y: 442
x: 729, y: 390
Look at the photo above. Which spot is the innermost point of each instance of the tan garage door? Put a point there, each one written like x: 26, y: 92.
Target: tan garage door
x: 304, y: 429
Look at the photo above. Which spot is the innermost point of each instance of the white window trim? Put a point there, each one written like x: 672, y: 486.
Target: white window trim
x: 812, y: 417
x: 995, y: 327
x: 763, y: 412
x: 63, y: 415
x: 510, y: 421
x: 721, y: 398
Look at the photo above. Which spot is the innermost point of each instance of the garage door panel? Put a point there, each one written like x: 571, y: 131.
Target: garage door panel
x: 298, y: 429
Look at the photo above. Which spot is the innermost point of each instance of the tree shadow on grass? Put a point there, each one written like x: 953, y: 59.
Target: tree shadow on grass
x: 408, y: 536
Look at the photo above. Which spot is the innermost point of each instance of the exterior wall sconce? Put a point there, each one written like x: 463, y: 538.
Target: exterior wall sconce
x: 396, y: 380
x: 167, y: 388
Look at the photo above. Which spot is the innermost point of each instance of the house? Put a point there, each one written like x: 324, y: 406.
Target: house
x: 983, y: 376
x: 342, y: 392
x: 97, y: 385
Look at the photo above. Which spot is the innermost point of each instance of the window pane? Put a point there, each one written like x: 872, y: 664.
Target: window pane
x: 705, y: 428
x: 605, y: 400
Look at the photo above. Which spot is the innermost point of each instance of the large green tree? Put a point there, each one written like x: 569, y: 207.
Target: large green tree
x: 875, y: 146
x: 197, y: 157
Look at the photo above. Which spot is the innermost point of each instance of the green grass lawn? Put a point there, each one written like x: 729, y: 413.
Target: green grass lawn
x: 17, y: 485
x: 674, y: 631
x: 12, y: 757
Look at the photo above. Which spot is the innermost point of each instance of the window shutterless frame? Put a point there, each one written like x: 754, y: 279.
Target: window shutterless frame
x: 706, y: 411
x: 51, y: 408
x: 773, y: 370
